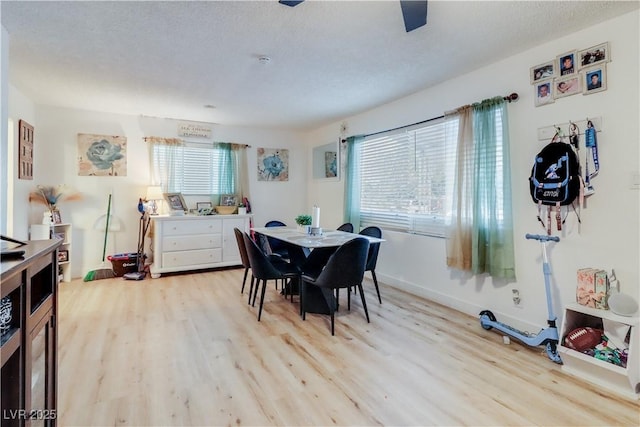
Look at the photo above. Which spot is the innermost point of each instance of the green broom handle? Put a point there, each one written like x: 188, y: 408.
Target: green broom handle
x: 106, y: 229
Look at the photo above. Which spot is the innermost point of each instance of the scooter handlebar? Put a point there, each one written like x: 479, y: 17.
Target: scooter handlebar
x: 542, y: 238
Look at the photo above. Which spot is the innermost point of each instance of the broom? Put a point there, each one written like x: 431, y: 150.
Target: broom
x: 102, y: 272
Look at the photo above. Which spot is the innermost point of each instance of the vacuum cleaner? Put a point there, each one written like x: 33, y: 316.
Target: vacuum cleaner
x: 143, y: 227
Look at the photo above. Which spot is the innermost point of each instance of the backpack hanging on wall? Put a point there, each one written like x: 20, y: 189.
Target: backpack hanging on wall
x: 555, y: 180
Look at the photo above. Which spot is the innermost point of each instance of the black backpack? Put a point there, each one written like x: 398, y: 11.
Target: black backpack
x: 555, y: 176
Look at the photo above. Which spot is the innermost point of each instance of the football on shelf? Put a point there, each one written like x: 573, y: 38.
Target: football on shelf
x: 581, y: 339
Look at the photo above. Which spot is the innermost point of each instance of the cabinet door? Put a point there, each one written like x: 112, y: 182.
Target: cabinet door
x: 40, y: 375
x: 230, y: 250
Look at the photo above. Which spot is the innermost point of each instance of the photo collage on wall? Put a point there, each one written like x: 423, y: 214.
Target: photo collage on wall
x: 576, y: 71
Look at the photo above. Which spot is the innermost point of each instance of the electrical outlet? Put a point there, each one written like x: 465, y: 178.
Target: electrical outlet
x: 516, y: 296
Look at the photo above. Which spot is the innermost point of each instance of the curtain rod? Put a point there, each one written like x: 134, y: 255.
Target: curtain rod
x: 508, y: 98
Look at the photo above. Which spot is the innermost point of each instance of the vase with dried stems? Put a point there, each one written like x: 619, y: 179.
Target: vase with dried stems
x: 49, y: 196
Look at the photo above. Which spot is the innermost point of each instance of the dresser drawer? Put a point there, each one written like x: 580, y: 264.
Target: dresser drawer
x: 177, y: 228
x: 184, y: 243
x: 196, y: 257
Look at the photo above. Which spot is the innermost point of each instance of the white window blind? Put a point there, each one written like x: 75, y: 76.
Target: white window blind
x: 404, y: 179
x: 193, y: 169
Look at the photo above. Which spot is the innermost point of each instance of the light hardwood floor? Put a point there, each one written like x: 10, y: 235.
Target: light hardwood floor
x: 187, y: 350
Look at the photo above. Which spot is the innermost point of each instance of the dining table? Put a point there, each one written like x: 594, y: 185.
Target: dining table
x: 311, y: 253
x: 327, y: 239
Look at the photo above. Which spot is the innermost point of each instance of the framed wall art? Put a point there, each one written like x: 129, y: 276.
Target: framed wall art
x: 273, y: 164
x: 175, y: 201
x: 102, y: 155
x: 326, y: 161
x: 330, y: 164
x: 567, y: 63
x: 228, y: 200
x: 204, y: 205
x: 565, y: 86
x: 543, y: 94
x: 25, y: 147
x: 595, y: 79
x: 594, y: 55
x: 55, y: 215
x: 63, y: 255
x: 543, y: 72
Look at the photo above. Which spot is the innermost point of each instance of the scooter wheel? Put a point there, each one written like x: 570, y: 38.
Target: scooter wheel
x: 491, y: 317
x: 552, y: 352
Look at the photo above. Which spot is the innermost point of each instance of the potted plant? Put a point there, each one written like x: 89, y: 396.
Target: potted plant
x: 242, y: 209
x: 304, y: 223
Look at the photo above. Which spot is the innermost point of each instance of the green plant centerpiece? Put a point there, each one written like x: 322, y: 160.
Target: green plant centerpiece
x: 303, y: 220
x: 304, y: 223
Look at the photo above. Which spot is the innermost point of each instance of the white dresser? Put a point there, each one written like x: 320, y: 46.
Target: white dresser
x: 183, y: 243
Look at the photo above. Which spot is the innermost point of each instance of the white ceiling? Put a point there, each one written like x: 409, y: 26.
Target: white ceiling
x: 328, y: 59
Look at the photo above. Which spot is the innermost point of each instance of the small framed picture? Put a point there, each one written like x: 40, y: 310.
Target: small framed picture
x: 55, y: 214
x: 594, y: 55
x: 595, y: 79
x: 204, y: 205
x: 176, y: 201
x: 228, y: 200
x: 543, y: 93
x: 330, y: 164
x: 63, y: 255
x: 567, y: 63
x: 543, y: 72
x: 565, y: 86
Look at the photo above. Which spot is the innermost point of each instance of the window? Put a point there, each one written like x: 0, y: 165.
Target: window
x: 405, y: 178
x: 194, y: 168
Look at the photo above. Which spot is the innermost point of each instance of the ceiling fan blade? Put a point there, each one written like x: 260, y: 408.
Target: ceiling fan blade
x: 290, y: 3
x: 414, y: 13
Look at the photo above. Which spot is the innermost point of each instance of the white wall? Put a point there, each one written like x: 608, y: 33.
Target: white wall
x: 608, y: 237
x: 4, y: 116
x: 55, y: 162
x: 20, y: 108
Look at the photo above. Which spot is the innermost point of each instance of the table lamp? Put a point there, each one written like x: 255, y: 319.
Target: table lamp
x: 154, y: 192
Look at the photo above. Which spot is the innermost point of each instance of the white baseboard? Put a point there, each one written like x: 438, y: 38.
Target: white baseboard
x: 455, y: 303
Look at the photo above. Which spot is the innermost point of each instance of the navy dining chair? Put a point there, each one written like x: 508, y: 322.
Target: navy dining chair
x: 372, y: 257
x: 344, y: 269
x: 276, y: 246
x: 263, y: 269
x: 347, y: 226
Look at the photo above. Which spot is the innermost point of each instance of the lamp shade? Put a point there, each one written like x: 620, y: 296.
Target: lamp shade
x: 154, y: 192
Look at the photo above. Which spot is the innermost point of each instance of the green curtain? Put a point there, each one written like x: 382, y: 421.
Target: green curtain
x: 492, y: 235
x: 226, y: 166
x: 352, y: 182
x: 480, y: 229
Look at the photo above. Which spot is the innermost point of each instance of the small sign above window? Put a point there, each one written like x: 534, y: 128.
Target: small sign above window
x: 190, y: 129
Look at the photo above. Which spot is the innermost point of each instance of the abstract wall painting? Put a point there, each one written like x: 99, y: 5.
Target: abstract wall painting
x: 102, y: 155
x: 330, y: 164
x: 273, y: 164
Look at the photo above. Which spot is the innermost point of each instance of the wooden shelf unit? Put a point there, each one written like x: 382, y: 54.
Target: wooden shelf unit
x: 28, y: 347
x: 625, y: 381
x: 63, y: 231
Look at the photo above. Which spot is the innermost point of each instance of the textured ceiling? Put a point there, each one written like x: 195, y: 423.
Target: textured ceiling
x: 328, y: 59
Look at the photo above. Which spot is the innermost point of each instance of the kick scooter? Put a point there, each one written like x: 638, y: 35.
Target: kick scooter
x: 547, y: 336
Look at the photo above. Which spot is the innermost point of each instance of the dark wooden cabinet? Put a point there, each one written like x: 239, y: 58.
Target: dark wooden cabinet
x: 28, y: 339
